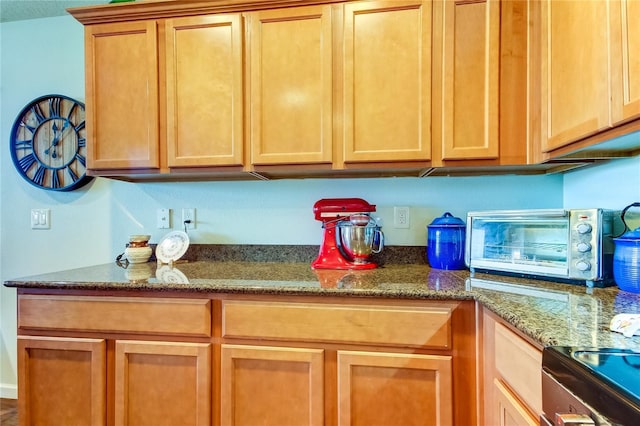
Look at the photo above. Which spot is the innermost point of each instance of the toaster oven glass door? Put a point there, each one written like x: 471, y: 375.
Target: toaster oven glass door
x: 522, y: 245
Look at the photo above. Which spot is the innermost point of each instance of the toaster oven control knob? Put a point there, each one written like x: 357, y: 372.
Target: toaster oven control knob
x: 583, y: 247
x: 583, y: 228
x: 583, y: 265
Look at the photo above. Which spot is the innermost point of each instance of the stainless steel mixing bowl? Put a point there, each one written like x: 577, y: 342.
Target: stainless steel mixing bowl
x: 358, y: 242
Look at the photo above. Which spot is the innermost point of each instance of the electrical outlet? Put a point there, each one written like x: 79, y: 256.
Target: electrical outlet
x: 401, y: 217
x: 189, y: 218
x: 164, y: 218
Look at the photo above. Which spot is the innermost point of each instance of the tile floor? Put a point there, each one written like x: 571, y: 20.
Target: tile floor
x: 8, y: 412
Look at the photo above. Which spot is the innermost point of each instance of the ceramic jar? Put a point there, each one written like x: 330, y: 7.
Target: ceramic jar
x: 626, y: 257
x: 445, y: 242
x: 138, y: 250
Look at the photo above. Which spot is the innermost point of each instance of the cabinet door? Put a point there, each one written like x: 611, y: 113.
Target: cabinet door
x: 122, y: 95
x: 388, y: 388
x: 512, y: 376
x: 509, y: 410
x: 291, y: 73
x: 204, y: 91
x: 387, y: 81
x: 162, y: 383
x: 625, y: 48
x: 576, y: 80
x: 467, y: 94
x: 271, y: 386
x: 61, y: 381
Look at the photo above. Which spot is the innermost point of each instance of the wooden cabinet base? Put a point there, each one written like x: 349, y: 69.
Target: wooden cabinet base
x: 512, y: 376
x: 510, y: 410
x: 244, y: 360
x: 162, y: 383
x: 272, y: 386
x: 389, y: 388
x: 62, y: 381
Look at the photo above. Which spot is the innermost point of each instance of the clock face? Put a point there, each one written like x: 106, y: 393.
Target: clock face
x: 49, y: 145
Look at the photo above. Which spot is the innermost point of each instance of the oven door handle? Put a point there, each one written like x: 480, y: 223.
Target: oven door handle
x: 573, y: 419
x: 568, y: 419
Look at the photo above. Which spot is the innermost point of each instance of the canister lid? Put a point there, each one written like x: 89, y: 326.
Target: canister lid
x: 449, y: 220
x: 629, y: 236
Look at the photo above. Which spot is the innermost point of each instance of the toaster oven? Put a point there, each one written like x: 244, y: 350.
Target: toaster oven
x: 567, y: 245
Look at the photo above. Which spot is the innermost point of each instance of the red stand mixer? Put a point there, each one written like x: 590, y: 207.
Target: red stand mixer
x: 350, y: 234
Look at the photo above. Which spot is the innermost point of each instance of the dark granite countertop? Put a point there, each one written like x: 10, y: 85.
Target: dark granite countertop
x: 550, y: 313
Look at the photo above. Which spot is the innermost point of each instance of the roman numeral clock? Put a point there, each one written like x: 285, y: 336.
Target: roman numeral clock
x: 49, y: 145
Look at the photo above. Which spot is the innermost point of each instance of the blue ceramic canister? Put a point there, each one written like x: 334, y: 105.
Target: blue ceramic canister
x: 626, y: 257
x: 445, y: 242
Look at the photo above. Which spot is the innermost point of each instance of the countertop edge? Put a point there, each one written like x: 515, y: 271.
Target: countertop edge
x: 547, y: 313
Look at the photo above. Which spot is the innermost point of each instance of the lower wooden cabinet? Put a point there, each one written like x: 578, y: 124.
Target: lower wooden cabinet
x: 372, y: 364
x: 62, y: 381
x: 276, y: 386
x: 271, y: 386
x: 162, y: 383
x: 382, y: 388
x: 510, y: 411
x: 244, y: 361
x: 512, y: 376
x: 142, y: 370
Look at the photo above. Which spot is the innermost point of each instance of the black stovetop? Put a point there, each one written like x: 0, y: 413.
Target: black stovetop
x: 606, y: 379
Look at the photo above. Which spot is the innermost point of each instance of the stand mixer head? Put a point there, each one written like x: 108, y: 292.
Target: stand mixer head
x: 350, y: 234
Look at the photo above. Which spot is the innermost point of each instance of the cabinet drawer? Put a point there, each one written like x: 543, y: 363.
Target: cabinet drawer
x: 519, y: 364
x: 186, y: 317
x: 428, y: 326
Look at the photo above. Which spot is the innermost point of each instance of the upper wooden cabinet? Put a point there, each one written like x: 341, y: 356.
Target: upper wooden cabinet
x: 291, y: 73
x: 155, y: 103
x: 364, y: 86
x: 122, y: 101
x: 345, y: 82
x: 466, y: 96
x: 480, y: 98
x: 386, y: 81
x: 204, y: 91
x: 625, y: 48
x: 384, y: 87
x: 589, y: 84
x: 575, y: 80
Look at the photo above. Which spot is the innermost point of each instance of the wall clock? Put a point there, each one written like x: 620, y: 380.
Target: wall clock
x: 49, y: 145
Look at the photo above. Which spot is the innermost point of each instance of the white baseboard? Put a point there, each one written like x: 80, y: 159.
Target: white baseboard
x: 8, y: 391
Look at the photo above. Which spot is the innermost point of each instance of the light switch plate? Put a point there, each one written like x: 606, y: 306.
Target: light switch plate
x: 164, y: 218
x: 40, y: 219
